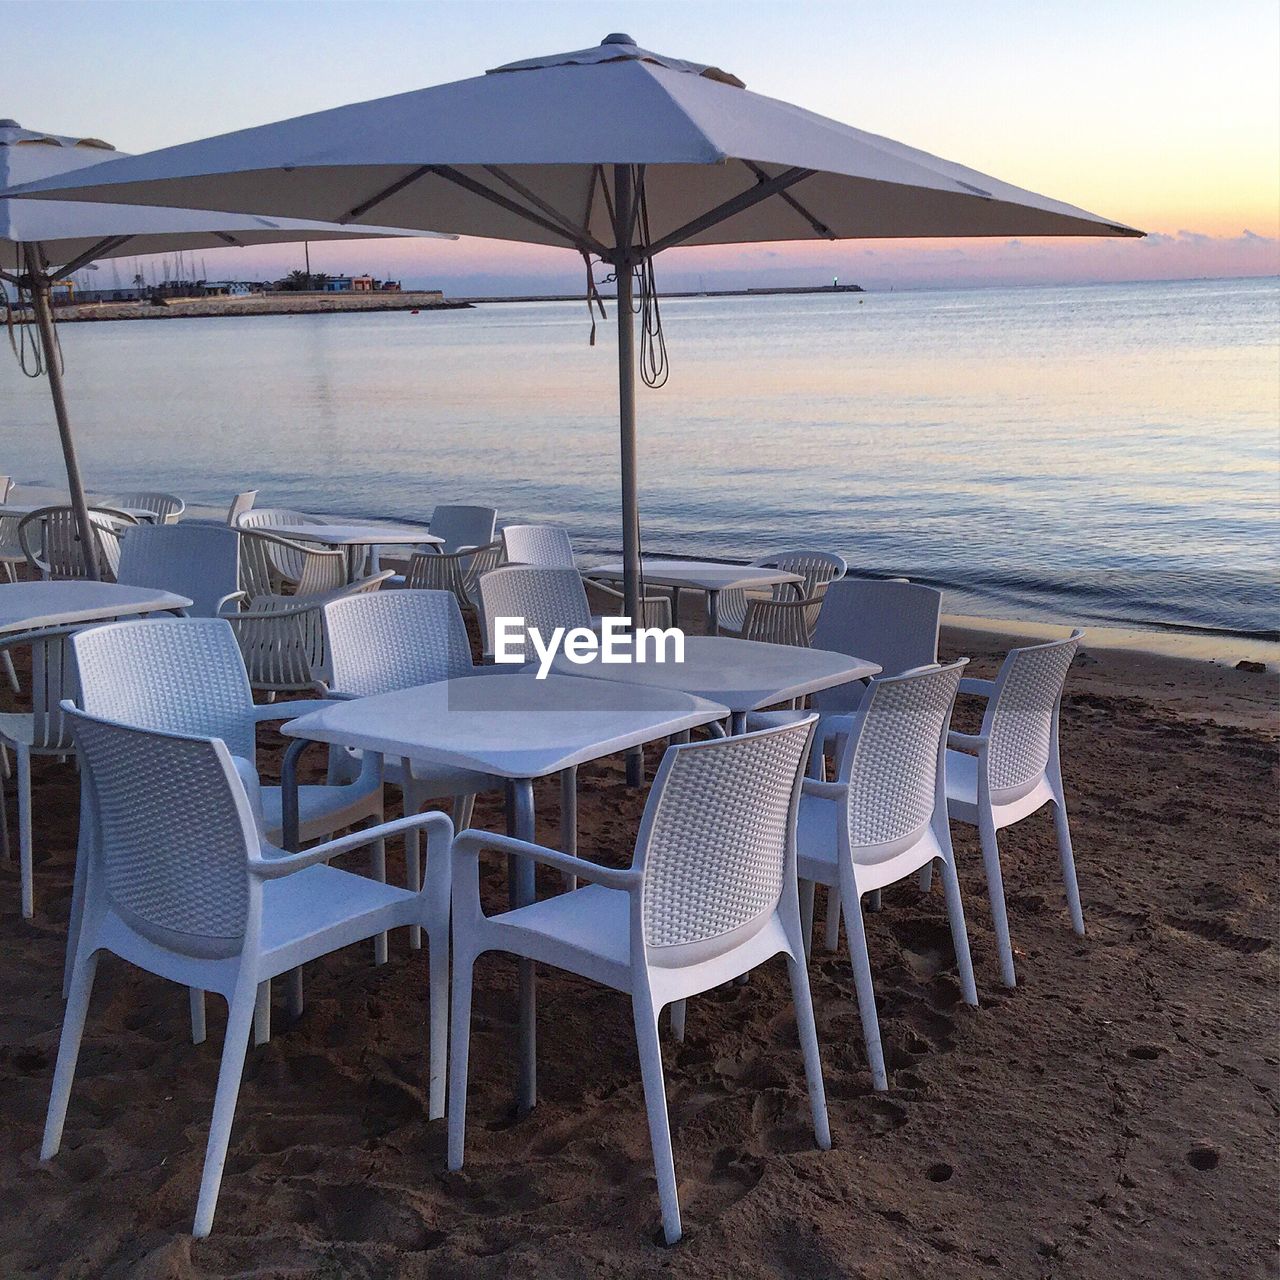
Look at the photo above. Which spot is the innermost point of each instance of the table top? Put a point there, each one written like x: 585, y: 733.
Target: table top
x: 701, y: 575
x: 743, y: 675
x: 25, y: 606
x: 507, y: 724
x: 353, y: 533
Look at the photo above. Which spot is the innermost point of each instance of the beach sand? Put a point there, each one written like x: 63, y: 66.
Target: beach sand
x: 1114, y: 1116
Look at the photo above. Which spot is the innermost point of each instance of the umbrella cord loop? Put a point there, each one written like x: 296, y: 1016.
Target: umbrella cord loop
x: 593, y: 296
x: 22, y: 337
x: 654, y: 366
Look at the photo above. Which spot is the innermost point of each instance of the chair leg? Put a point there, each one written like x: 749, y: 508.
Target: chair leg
x: 1068, y: 866
x: 466, y: 811
x: 438, y: 1020
x: 239, y: 1018
x: 678, y: 1011
x: 24, y: 831
x: 959, y: 933
x: 866, y: 992
x: 198, y: 1030
x: 459, y: 1051
x: 806, y: 915
x: 4, y: 808
x: 413, y: 856
x: 995, y: 891
x: 293, y: 993
x: 655, y: 1102
x: 73, y: 1021
x: 926, y: 878
x: 803, y: 1001
x: 378, y: 856
x: 262, y: 1013
x: 11, y: 673
x: 569, y: 821
x: 832, y: 939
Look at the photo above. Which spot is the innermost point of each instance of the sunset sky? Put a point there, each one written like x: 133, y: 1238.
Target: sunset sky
x: 1165, y: 116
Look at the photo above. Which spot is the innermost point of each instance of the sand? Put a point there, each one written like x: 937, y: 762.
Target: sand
x: 1114, y: 1116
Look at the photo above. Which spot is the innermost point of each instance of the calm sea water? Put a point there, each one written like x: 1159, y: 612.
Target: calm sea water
x: 1102, y: 453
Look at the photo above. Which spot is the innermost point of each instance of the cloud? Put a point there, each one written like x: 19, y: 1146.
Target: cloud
x: 1194, y: 237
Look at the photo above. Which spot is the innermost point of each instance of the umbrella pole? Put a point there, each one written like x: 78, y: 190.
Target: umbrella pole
x: 43, y: 309
x: 627, y: 401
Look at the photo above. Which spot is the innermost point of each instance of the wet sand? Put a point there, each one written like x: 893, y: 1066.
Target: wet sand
x: 1113, y: 1116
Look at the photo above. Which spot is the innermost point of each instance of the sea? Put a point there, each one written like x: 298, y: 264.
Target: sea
x: 1094, y: 454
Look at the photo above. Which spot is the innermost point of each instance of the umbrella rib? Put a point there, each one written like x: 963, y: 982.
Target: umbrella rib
x: 738, y: 204
x: 385, y: 194
x: 550, y: 210
x: 95, y: 251
x: 458, y: 178
x: 816, y: 223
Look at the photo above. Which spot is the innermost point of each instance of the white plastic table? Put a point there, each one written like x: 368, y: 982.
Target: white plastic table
x: 743, y: 675
x: 27, y: 606
x: 354, y: 537
x: 509, y: 725
x: 708, y: 576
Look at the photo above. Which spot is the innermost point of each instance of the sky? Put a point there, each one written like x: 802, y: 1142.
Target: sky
x: 1162, y: 115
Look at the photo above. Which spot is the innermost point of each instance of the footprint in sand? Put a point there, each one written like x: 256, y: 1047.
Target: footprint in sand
x: 1203, y: 1157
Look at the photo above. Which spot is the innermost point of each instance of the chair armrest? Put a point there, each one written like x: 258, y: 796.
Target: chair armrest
x: 264, y: 711
x: 230, y: 598
x: 306, y: 548
x: 824, y: 790
x: 979, y: 688
x: 773, y: 719
x: 275, y: 868
x: 970, y: 743
x: 470, y: 844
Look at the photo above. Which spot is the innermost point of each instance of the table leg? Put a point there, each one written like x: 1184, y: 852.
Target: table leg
x: 290, y: 838
x: 738, y: 723
x: 522, y: 820
x: 713, y: 613
x: 569, y: 818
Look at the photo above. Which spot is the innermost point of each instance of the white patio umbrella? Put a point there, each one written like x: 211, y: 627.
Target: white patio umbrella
x: 615, y: 152
x: 46, y: 240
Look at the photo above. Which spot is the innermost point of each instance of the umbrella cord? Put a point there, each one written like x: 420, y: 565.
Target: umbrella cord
x: 22, y: 335
x: 654, y: 366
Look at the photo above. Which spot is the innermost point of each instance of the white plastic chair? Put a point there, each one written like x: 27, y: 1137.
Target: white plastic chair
x: 281, y: 638
x: 1012, y: 767
x: 395, y: 640
x: 463, y: 526
x: 182, y: 884
x: 6, y: 488
x: 545, y: 598
x: 241, y: 503
x: 883, y: 819
x: 545, y: 545
x: 42, y: 731
x: 781, y: 621
x: 456, y: 571
x: 11, y: 556
x: 166, y: 508
x: 273, y: 565
x: 818, y: 568
x: 286, y: 558
x: 710, y: 894
x: 50, y: 540
x: 199, y: 561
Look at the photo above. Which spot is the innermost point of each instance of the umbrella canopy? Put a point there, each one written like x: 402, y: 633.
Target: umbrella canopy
x: 41, y: 240
x: 613, y: 151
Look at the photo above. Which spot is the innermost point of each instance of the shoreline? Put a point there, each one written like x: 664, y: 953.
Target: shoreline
x: 254, y: 304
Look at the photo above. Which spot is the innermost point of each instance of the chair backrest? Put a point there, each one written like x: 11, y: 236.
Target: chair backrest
x: 269, y: 562
x: 463, y: 526
x: 456, y: 571
x: 393, y: 640
x: 717, y: 841
x: 780, y: 621
x: 199, y: 561
x: 893, y: 624
x: 50, y: 539
x: 893, y: 759
x: 241, y: 503
x: 543, y: 598
x: 1021, y: 717
x: 817, y: 567
x: 175, y: 675
x: 269, y: 517
x: 174, y: 834
x: 545, y: 545
x: 165, y: 506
